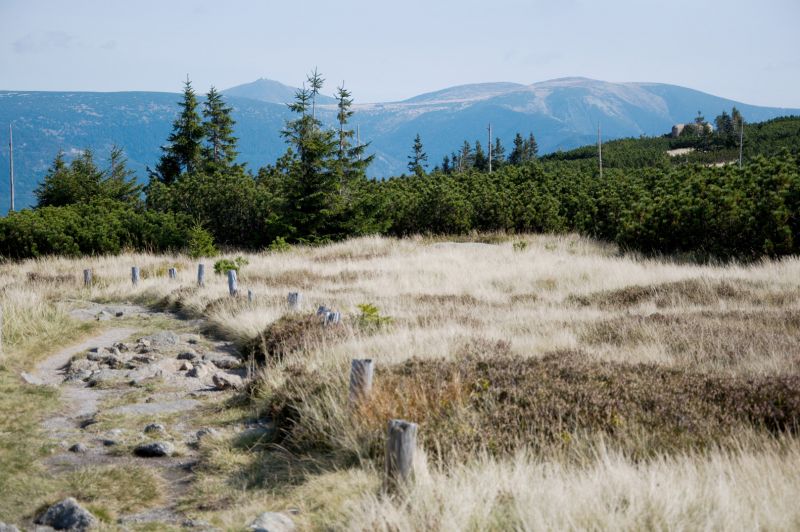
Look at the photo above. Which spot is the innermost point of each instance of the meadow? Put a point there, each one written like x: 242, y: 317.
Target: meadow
x: 558, y: 383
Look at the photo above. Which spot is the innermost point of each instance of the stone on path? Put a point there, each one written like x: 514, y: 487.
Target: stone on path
x: 78, y: 448
x: 8, y: 528
x: 225, y: 381
x: 67, y: 515
x: 154, y: 449
x: 155, y: 428
x: 272, y: 522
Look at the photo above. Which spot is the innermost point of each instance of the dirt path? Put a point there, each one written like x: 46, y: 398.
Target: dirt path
x: 115, y: 384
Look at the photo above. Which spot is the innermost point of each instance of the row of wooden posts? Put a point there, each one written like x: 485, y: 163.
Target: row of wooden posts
x: 401, y: 438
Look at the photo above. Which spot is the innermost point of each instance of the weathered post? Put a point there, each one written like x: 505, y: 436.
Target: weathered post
x: 401, y: 442
x: 294, y: 299
x: 232, y: 288
x: 135, y: 275
x: 361, y: 372
x: 250, y: 296
x: 333, y: 318
x: 201, y: 275
x: 173, y: 273
x: 87, y: 278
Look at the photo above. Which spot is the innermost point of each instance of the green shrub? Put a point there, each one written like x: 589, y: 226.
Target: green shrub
x: 520, y: 245
x: 222, y: 266
x: 371, y: 317
x: 201, y: 243
x: 279, y: 245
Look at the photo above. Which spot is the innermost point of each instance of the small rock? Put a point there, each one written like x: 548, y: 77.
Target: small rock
x: 122, y: 347
x: 272, y: 522
x: 154, y: 449
x: 103, y: 316
x: 147, y: 358
x: 107, y: 442
x: 8, y: 528
x: 201, y: 370
x: 155, y: 428
x: 225, y: 381
x: 31, y: 379
x: 185, y: 366
x: 206, y: 432
x: 119, y: 314
x: 223, y: 361
x: 79, y: 448
x: 189, y: 354
x: 67, y: 515
x: 162, y: 339
x: 193, y: 339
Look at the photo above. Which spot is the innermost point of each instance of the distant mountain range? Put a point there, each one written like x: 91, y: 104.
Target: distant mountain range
x: 562, y: 114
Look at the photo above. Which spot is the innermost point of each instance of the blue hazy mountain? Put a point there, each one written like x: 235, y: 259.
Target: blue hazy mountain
x: 562, y: 114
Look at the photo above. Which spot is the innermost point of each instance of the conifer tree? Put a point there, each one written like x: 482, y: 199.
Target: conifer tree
x: 220, y: 148
x: 481, y: 161
x: 183, y: 151
x: 498, y: 154
x: 315, y: 80
x: 518, y: 152
x: 531, y: 148
x: 446, y: 164
x: 418, y: 160
x: 466, y: 158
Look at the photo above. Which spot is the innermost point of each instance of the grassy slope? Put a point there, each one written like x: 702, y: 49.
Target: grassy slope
x: 512, y: 310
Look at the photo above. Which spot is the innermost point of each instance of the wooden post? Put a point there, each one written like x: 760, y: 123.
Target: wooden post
x: 135, y: 275
x: 232, y: 288
x: 250, y: 296
x: 333, y: 318
x: 294, y: 299
x: 173, y: 273
x: 361, y: 372
x: 401, y: 442
x: 201, y: 275
x: 87, y: 278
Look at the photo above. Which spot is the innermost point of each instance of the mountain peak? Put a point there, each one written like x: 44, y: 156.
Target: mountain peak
x: 269, y: 90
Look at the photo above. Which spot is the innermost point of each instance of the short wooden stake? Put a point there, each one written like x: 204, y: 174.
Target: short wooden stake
x: 250, y: 296
x: 401, y: 442
x: 135, y: 275
x: 201, y: 275
x: 294, y: 299
x: 87, y: 278
x: 361, y: 372
x: 173, y: 273
x: 333, y: 318
x: 232, y: 287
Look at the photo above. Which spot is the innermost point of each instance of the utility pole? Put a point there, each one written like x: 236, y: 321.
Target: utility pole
x: 600, y: 150
x: 11, y: 163
x: 490, y: 148
x: 741, y: 140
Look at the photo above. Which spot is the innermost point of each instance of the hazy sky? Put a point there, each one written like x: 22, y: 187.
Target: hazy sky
x: 745, y: 50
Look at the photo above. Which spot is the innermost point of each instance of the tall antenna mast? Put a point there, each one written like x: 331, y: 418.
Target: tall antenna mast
x: 600, y: 150
x: 11, y: 163
x: 490, y: 148
x: 741, y: 139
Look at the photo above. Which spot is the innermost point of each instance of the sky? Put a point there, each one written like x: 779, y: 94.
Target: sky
x: 748, y: 51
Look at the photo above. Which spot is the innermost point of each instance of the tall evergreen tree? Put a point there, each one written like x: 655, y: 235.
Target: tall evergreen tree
x: 531, y: 148
x: 517, y: 155
x: 498, y: 155
x: 466, y: 158
x: 481, y: 161
x: 315, y: 80
x: 446, y: 164
x: 183, y: 151
x: 220, y: 148
x: 418, y: 160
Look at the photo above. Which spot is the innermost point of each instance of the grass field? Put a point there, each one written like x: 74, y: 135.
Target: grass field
x: 558, y: 383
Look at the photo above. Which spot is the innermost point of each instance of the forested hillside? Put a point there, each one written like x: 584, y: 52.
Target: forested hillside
x: 701, y: 202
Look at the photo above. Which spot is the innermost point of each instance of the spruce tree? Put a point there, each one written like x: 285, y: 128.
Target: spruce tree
x: 498, y: 155
x: 518, y: 152
x: 481, y: 160
x: 219, y: 152
x: 418, y: 160
x: 531, y: 148
x: 183, y: 151
x: 466, y: 158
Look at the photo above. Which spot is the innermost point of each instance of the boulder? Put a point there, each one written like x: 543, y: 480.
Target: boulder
x: 155, y: 428
x: 161, y: 339
x: 201, y: 370
x: 272, y: 522
x: 226, y: 381
x: 154, y: 449
x: 78, y: 448
x: 189, y: 354
x: 67, y: 515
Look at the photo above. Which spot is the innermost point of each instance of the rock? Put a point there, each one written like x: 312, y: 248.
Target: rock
x: 79, y: 448
x: 272, y: 522
x: 31, y: 379
x: 189, y: 354
x: 185, y: 366
x: 161, y: 339
x: 103, y: 376
x: 226, y: 381
x: 119, y: 314
x: 155, y: 428
x: 145, y: 358
x: 103, y: 316
x: 223, y: 361
x: 83, y: 364
x: 122, y: 347
x: 193, y: 339
x: 201, y: 371
x: 196, y: 523
x: 107, y: 442
x: 154, y: 449
x: 206, y: 432
x: 67, y: 515
x: 8, y: 528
